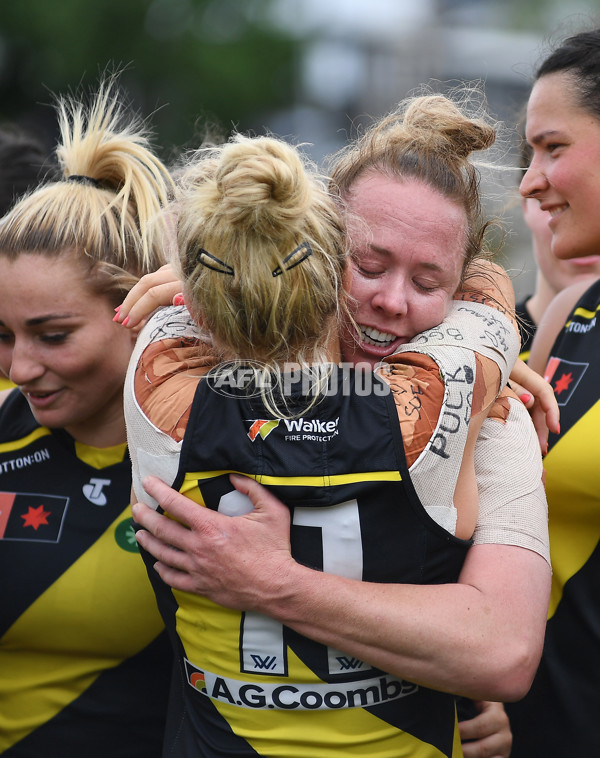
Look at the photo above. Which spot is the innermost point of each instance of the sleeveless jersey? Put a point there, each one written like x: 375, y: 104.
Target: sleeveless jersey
x: 84, y: 658
x: 249, y: 686
x: 559, y: 715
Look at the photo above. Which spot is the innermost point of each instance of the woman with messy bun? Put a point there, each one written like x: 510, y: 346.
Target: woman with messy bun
x: 270, y: 213
x: 377, y: 489
x: 83, y: 651
x: 426, y: 146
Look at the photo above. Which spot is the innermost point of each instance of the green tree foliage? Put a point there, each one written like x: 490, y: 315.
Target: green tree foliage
x: 187, y: 62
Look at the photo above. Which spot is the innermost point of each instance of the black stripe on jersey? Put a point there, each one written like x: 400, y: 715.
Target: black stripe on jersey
x: 564, y: 700
x: 526, y: 326
x: 577, y: 343
x: 438, y: 731
x: 218, y: 739
x: 83, y: 721
x: 56, y: 548
x: 16, y: 419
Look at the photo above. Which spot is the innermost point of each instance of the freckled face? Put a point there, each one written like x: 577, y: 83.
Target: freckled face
x: 407, y: 246
x: 564, y: 174
x: 58, y: 343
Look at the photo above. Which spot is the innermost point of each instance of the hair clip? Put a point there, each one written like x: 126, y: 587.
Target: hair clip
x: 83, y: 180
x: 208, y: 260
x: 301, y: 253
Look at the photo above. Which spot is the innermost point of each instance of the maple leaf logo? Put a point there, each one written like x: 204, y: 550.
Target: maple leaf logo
x: 35, y: 517
x: 565, y: 377
x: 563, y: 383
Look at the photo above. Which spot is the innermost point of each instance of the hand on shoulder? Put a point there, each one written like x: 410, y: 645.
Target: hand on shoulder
x: 160, y: 288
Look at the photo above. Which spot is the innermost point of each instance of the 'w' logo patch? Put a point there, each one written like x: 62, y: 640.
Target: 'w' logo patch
x: 265, y: 663
x: 349, y: 664
x: 262, y: 427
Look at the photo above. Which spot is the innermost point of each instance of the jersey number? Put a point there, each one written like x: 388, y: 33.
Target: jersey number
x: 262, y: 647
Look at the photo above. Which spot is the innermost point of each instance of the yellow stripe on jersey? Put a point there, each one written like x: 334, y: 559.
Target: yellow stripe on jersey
x: 100, y: 457
x: 37, y: 685
x: 584, y: 313
x: 572, y: 536
x: 41, y: 431
x: 296, y: 481
x: 335, y: 732
x: 93, y: 456
x: 326, y: 734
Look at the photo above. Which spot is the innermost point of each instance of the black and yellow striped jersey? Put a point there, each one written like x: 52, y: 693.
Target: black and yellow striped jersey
x: 558, y: 717
x: 84, y: 659
x: 250, y: 686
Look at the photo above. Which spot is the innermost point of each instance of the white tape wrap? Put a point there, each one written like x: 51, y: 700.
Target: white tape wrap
x: 468, y: 328
x: 476, y: 327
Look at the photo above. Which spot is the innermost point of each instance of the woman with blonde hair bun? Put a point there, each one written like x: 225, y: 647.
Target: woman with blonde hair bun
x: 264, y: 207
x: 380, y: 498
x: 83, y: 652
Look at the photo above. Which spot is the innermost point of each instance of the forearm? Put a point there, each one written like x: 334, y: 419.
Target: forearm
x: 394, y: 627
x: 481, y: 638
x: 512, y: 509
x: 447, y: 637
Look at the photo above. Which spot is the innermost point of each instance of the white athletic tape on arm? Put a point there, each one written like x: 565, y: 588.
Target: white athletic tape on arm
x: 151, y: 450
x: 475, y: 327
x: 468, y: 328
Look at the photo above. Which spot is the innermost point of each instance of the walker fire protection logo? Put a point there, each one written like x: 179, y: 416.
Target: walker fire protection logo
x: 299, y: 429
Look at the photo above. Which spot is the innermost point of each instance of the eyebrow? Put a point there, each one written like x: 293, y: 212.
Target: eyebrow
x: 542, y: 136
x: 424, y: 264
x: 44, y: 319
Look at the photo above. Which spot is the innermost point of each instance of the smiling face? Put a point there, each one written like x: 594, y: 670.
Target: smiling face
x: 564, y: 174
x: 407, y: 246
x: 58, y: 343
x: 557, y: 273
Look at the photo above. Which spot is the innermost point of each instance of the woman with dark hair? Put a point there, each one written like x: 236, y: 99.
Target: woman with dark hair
x: 559, y: 715
x: 553, y: 274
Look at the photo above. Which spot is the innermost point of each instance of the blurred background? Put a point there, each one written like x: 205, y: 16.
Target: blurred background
x: 309, y: 70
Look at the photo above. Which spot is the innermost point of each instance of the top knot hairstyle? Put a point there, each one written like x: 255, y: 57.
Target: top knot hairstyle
x: 262, y: 250
x: 105, y: 207
x: 430, y: 138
